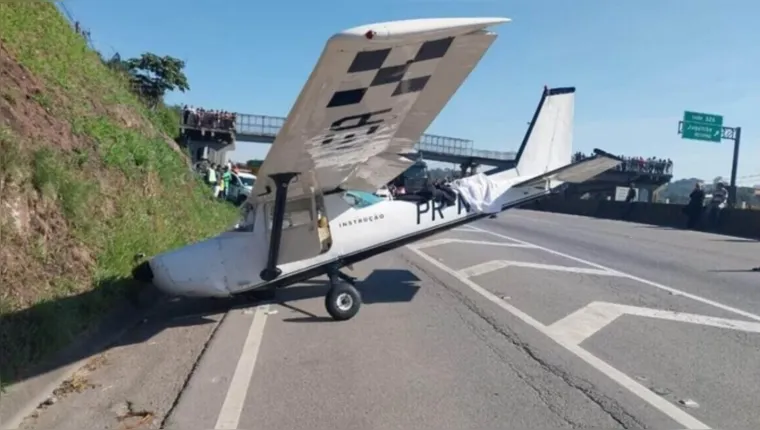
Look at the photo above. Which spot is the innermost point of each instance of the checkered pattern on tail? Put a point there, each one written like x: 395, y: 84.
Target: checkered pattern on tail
x: 366, y: 61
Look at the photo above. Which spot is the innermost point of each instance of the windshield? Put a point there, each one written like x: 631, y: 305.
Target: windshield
x: 416, y: 172
x: 360, y: 199
x: 247, y: 181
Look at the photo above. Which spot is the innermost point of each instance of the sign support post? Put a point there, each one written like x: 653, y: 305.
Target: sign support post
x: 709, y: 128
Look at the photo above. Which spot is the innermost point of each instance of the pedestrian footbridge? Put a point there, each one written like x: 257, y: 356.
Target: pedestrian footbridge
x: 264, y: 129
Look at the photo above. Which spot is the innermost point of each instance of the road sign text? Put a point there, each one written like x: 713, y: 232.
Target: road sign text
x: 702, y: 126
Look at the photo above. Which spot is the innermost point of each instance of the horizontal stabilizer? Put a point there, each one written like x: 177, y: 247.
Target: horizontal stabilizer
x: 577, y: 172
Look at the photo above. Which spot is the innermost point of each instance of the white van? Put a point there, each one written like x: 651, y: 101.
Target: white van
x: 241, y: 186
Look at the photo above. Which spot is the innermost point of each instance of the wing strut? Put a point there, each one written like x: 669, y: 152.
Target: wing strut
x: 281, y: 182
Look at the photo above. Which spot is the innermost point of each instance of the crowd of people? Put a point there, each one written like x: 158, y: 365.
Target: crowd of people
x: 654, y: 165
x: 715, y: 205
x: 214, y: 119
x: 218, y: 177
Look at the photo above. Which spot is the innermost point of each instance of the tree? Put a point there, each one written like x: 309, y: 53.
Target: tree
x: 152, y: 76
x: 115, y: 63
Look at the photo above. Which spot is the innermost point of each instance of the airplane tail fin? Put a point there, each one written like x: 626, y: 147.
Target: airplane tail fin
x: 548, y: 143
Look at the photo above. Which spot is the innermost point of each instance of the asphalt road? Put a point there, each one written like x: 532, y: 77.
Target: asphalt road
x: 531, y: 320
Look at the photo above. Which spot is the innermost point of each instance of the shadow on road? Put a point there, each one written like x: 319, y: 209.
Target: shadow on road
x: 381, y: 286
x: 54, y: 334
x: 733, y: 270
x: 44, y: 327
x: 659, y: 227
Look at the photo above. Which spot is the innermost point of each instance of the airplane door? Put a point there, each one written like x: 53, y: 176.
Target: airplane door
x: 305, y: 229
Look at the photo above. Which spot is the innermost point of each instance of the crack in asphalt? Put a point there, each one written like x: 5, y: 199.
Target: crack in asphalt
x: 608, y: 405
x: 191, y: 373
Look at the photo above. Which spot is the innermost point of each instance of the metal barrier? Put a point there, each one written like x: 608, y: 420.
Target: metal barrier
x: 494, y: 155
x: 445, y: 145
x: 258, y: 125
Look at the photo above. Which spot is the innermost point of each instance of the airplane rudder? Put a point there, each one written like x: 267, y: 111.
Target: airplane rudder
x: 548, y: 141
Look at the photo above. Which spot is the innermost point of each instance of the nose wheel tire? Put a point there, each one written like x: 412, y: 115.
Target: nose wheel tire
x: 343, y: 301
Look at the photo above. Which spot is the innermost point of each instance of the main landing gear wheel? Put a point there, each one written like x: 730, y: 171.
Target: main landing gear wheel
x: 342, y: 301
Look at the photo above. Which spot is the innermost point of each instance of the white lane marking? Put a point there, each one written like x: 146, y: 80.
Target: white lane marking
x: 483, y: 268
x: 621, y: 378
x: 490, y: 266
x: 583, y: 323
x: 445, y: 241
x: 463, y: 228
x: 527, y: 218
x: 674, y: 291
x: 229, y: 416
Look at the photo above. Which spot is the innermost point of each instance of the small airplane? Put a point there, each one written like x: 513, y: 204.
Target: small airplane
x: 312, y: 211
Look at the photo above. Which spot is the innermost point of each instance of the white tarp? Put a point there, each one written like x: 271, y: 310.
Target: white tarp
x: 482, y: 194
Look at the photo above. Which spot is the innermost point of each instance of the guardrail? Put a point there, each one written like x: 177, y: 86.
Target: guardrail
x: 732, y: 222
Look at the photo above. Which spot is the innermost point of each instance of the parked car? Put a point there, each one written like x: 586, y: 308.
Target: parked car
x: 384, y: 192
x: 241, y: 186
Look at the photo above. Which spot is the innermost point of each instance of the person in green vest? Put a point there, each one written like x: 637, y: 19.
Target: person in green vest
x: 211, y: 178
x: 226, y: 178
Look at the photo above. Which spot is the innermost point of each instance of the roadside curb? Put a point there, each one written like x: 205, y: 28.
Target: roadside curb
x: 21, y: 399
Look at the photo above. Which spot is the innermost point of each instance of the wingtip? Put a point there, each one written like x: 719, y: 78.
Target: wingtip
x: 558, y: 91
x: 392, y: 29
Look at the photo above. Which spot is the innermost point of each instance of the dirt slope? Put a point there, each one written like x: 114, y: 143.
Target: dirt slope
x: 88, y: 179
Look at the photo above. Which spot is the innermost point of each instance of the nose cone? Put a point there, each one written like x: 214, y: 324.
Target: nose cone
x: 153, y: 271
x: 196, y: 270
x: 143, y: 272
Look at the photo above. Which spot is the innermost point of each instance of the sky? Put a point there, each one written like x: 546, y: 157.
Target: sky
x: 637, y: 65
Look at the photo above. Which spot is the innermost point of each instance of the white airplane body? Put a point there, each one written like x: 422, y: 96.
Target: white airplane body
x: 374, y: 91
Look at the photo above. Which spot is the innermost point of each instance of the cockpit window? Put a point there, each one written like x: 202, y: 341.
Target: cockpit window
x: 360, y: 199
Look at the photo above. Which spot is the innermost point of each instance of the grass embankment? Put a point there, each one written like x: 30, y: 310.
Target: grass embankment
x: 88, y: 179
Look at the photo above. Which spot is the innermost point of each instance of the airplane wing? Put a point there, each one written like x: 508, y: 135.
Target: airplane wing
x: 374, y: 91
x: 577, y: 172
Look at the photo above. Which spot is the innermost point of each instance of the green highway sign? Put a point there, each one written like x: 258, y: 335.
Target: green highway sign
x: 702, y: 126
x: 707, y: 133
x: 703, y: 118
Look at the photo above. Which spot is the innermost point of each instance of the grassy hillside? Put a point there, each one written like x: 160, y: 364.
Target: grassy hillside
x: 88, y: 179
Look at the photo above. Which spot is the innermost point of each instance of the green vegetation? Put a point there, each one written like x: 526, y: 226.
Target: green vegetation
x: 153, y: 76
x: 88, y: 179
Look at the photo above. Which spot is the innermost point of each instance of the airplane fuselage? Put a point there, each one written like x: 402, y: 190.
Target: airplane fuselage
x: 231, y: 262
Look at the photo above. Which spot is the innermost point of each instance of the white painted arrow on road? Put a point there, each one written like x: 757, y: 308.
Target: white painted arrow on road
x: 583, y: 323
